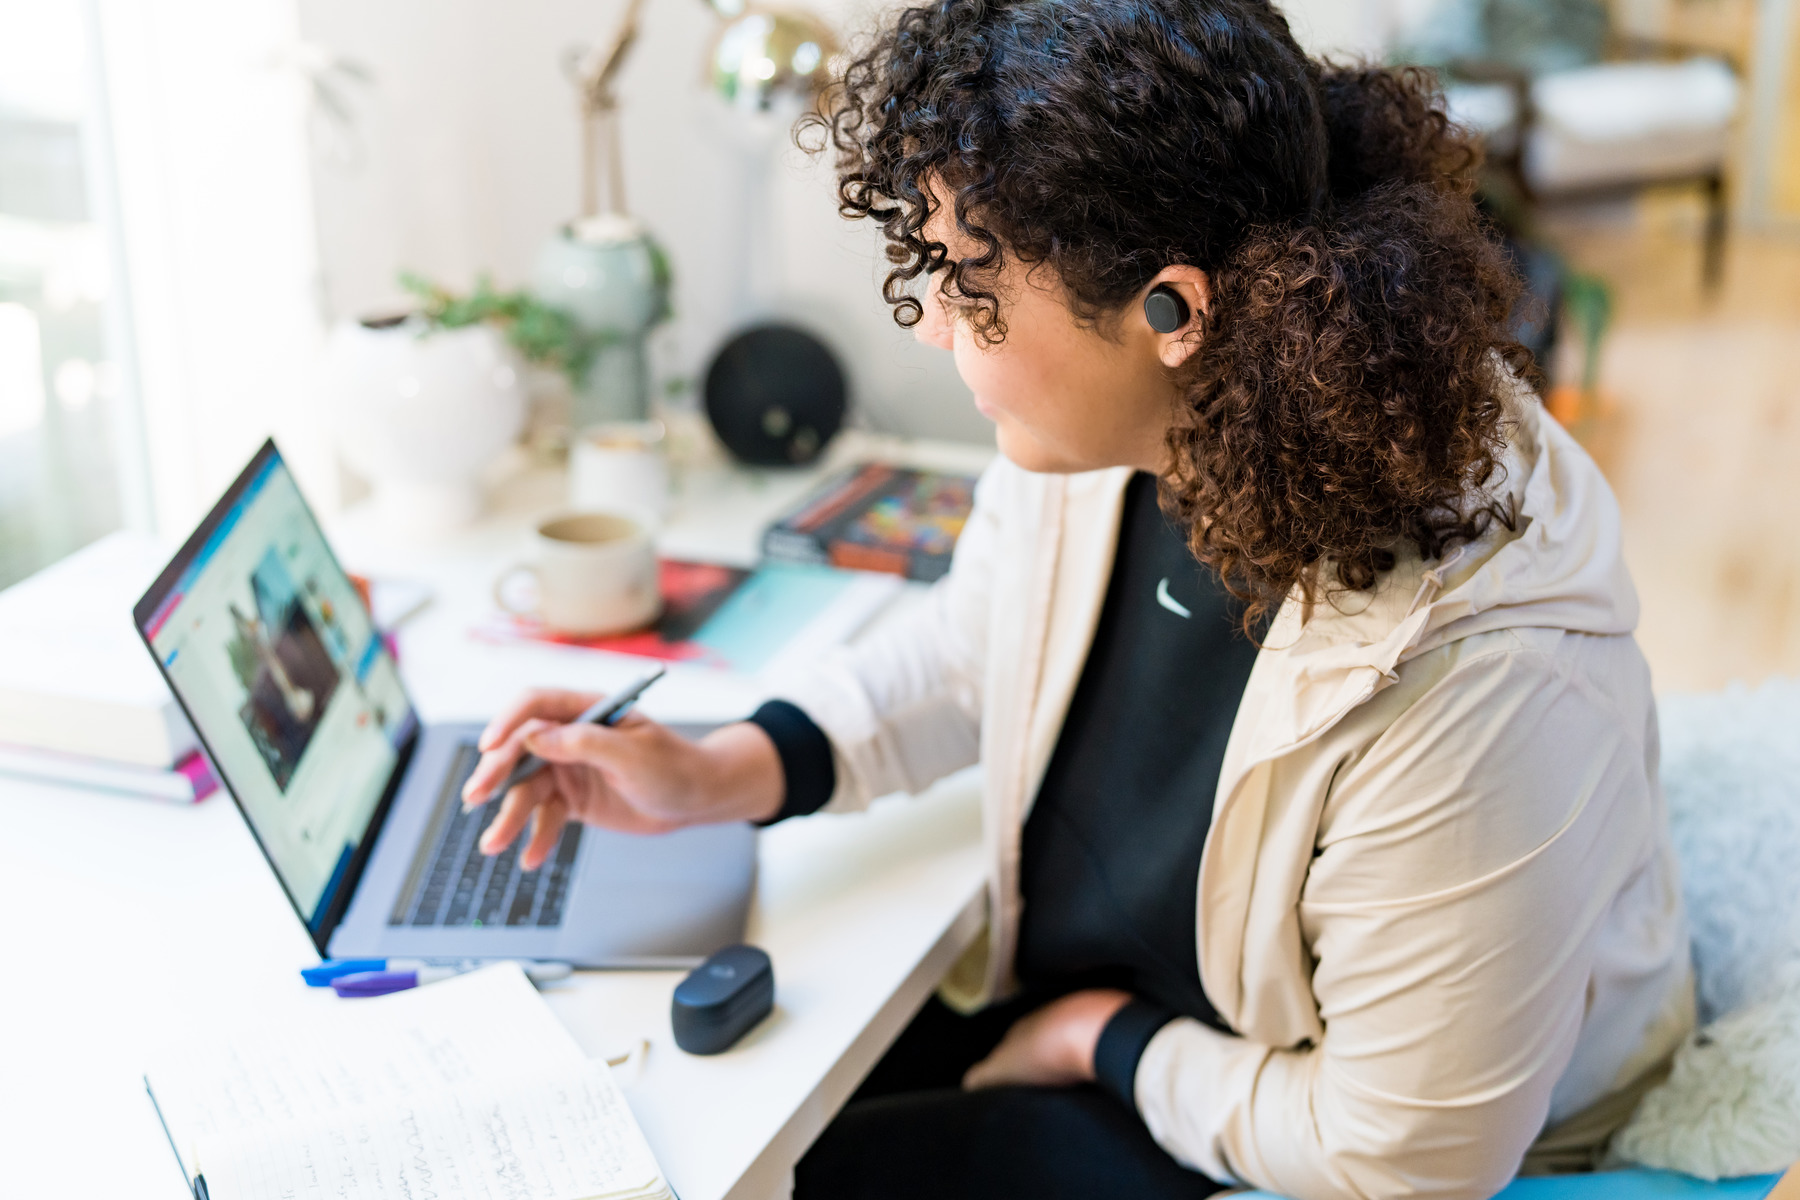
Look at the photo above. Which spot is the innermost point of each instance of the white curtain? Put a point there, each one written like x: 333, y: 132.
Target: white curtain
x: 207, y: 124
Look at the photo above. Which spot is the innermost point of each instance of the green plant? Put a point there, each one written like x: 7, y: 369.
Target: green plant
x: 1588, y: 302
x: 544, y: 335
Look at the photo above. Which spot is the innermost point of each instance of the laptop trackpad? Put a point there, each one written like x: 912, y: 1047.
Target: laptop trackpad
x: 642, y: 901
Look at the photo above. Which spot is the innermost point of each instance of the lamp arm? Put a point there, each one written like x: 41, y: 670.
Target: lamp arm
x: 598, y: 69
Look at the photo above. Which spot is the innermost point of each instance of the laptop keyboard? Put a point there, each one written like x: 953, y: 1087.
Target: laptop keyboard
x: 452, y: 883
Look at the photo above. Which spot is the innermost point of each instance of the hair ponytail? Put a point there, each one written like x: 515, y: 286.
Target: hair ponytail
x: 1388, y: 125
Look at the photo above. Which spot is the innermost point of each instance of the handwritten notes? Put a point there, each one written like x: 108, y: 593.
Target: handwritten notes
x: 466, y: 1088
x: 564, y: 1138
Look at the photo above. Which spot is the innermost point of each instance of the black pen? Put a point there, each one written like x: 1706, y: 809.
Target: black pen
x: 606, y: 712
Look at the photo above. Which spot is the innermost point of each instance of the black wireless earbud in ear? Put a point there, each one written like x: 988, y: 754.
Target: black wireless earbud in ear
x: 1165, y: 309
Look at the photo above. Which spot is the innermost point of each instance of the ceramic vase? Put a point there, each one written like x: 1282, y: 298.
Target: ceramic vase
x: 612, y: 278
x: 419, y: 412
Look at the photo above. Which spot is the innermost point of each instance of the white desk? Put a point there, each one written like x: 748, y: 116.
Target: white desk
x: 130, y: 921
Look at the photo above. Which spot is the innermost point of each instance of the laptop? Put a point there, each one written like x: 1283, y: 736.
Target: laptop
x: 357, y: 806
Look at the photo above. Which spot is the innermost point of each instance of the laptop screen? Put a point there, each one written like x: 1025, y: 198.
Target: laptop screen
x: 274, y: 656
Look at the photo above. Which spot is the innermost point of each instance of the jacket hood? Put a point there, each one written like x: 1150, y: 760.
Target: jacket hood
x: 1562, y: 566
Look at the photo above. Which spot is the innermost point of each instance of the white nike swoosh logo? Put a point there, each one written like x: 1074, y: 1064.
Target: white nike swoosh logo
x: 1169, y: 602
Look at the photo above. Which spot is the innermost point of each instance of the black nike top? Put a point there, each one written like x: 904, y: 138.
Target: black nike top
x: 1110, y: 858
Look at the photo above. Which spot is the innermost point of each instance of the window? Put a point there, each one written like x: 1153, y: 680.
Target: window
x: 63, y: 420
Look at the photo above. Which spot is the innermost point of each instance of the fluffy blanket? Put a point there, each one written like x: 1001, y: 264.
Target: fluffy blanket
x: 1731, y: 771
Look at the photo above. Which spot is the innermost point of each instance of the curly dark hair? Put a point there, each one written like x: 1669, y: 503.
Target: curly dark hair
x: 1347, y: 392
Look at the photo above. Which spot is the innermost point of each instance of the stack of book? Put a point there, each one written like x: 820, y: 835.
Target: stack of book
x: 81, y: 701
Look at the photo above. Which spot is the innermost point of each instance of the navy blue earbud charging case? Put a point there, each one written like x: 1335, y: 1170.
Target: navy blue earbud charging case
x: 722, y: 999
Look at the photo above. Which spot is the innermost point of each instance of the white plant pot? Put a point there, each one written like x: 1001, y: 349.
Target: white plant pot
x: 419, y: 412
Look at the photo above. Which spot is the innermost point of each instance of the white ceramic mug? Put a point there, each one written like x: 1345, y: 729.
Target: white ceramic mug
x: 595, y: 571
x: 618, y: 466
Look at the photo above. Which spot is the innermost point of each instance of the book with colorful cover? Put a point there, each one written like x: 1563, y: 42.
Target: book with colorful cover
x: 877, y: 517
x: 733, y: 619
x: 1627, y: 1183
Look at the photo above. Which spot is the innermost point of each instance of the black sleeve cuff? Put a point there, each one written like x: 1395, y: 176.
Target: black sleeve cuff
x: 806, y: 764
x: 1122, y: 1043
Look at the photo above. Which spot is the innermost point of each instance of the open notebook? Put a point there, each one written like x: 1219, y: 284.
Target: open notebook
x: 468, y: 1087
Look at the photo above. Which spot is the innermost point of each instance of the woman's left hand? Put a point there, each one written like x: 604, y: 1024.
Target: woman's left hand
x: 1051, y: 1047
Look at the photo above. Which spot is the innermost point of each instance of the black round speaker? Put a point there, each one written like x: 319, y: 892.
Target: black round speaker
x: 775, y: 395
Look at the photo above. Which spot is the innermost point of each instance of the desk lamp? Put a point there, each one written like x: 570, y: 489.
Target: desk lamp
x: 604, y: 268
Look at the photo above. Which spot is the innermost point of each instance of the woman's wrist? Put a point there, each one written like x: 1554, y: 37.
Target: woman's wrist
x: 1084, y: 1018
x: 1051, y: 1047
x: 1123, y: 1041
x: 808, y: 767
x: 741, y: 776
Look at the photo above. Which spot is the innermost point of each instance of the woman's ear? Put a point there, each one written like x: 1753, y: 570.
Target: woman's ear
x: 936, y: 326
x: 1194, y: 289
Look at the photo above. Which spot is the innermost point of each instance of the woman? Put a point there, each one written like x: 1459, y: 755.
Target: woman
x: 1327, y: 851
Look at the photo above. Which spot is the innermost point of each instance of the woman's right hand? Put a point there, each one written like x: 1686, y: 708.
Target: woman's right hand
x: 635, y: 777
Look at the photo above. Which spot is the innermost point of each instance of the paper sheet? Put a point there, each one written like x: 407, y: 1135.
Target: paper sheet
x: 476, y: 1057
x: 565, y: 1138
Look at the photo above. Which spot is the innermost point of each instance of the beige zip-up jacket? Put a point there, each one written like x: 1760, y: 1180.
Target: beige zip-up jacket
x: 1437, y: 905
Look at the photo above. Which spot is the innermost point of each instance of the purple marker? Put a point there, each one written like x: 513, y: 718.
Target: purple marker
x: 379, y: 983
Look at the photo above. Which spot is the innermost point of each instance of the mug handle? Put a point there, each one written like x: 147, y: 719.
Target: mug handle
x: 500, y: 590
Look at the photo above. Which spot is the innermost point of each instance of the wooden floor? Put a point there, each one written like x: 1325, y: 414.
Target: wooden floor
x: 1700, y: 436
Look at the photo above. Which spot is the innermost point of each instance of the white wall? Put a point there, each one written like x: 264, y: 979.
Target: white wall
x: 1341, y: 27
x: 463, y: 160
